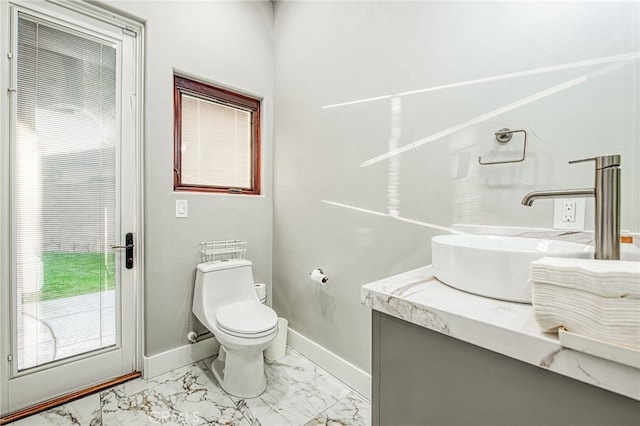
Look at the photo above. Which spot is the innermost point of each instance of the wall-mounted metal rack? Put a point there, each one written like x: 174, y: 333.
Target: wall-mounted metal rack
x: 218, y: 250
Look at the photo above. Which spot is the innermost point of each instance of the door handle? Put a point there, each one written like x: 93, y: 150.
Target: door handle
x: 128, y: 241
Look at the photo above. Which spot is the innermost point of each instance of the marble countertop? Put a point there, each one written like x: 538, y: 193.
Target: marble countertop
x: 504, y: 327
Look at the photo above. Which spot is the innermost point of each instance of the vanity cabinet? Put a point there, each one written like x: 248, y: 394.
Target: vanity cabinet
x: 423, y: 377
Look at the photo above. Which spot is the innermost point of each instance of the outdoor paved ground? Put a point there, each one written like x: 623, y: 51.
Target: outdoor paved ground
x: 56, y: 329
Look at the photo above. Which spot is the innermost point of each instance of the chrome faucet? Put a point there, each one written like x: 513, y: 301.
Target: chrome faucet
x: 607, y: 199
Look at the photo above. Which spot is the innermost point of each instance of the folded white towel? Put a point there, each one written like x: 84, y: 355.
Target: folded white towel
x: 607, y: 278
x: 607, y: 319
x: 595, y: 298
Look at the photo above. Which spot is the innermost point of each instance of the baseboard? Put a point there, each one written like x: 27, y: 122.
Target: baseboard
x: 357, y: 379
x: 343, y: 370
x: 179, y: 357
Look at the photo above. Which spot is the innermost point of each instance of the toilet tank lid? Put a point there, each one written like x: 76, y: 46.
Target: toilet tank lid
x: 218, y: 265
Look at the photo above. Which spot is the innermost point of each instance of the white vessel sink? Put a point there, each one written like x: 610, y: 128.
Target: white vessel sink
x: 495, y: 266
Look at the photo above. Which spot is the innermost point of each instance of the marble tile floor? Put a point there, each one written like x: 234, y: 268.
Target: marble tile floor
x: 299, y: 393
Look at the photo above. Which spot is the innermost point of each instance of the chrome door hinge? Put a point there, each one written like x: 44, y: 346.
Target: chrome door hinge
x: 9, y: 357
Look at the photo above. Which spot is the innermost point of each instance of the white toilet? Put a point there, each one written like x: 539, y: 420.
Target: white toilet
x: 226, y: 302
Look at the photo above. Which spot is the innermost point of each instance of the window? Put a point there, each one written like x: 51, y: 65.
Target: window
x: 216, y: 139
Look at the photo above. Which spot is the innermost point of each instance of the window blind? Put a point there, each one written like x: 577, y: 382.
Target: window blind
x: 216, y: 144
x: 65, y: 192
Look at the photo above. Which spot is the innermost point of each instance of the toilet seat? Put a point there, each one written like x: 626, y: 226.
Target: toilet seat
x: 249, y: 319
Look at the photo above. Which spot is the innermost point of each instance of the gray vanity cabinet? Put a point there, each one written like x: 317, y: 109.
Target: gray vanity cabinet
x: 421, y: 378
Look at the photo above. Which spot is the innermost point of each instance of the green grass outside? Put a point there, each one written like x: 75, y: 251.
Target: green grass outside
x: 73, y: 274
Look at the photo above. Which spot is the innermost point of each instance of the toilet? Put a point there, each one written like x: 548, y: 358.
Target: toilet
x: 226, y: 302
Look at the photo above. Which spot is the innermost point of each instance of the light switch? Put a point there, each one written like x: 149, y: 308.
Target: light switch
x: 182, y: 208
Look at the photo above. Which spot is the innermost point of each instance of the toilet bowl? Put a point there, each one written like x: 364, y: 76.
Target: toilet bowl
x: 226, y: 303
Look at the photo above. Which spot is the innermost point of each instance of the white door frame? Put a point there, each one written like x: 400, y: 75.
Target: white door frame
x: 136, y: 103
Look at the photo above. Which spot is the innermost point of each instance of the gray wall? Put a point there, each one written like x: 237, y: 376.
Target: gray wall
x: 353, y: 220
x: 325, y: 53
x: 229, y: 43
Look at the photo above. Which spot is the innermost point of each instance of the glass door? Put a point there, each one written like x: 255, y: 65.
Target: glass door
x: 73, y: 202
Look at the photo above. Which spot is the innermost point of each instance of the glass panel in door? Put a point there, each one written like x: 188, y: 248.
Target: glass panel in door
x: 64, y: 194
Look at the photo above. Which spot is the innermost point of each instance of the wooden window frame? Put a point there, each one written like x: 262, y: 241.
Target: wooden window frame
x: 208, y: 92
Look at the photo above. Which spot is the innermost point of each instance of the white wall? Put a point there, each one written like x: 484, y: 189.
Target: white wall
x: 333, y: 52
x: 228, y: 43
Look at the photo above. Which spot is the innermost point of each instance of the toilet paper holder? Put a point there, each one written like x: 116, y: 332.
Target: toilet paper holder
x: 319, y: 276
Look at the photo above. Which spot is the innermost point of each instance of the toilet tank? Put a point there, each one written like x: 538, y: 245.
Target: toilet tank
x: 220, y: 283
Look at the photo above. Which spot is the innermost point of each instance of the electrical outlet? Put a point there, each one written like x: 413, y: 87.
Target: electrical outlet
x: 568, y: 213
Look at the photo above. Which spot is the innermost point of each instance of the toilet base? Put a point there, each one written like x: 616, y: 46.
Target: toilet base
x: 240, y: 373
